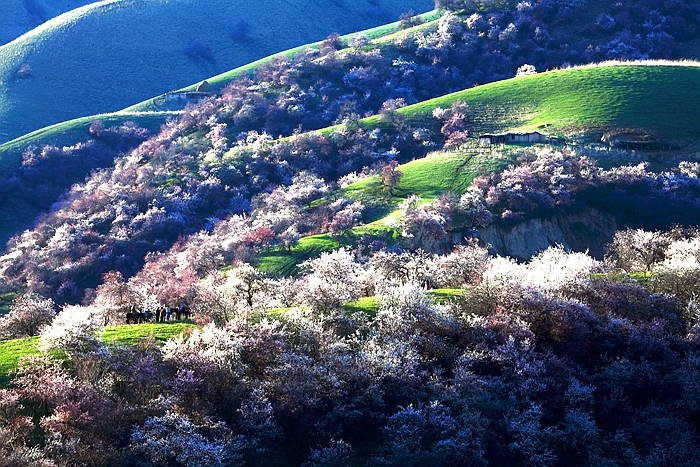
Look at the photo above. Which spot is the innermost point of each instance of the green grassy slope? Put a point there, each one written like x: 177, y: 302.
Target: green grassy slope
x: 76, y: 130
x: 10, y: 353
x: 431, y: 176
x: 108, y: 55
x: 662, y: 98
x: 659, y: 97
x: 153, y: 111
x: 428, y: 178
x: 12, y: 350
x: 286, y: 263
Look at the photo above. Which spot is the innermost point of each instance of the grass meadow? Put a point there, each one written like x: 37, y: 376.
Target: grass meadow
x: 286, y: 263
x: 653, y: 96
x: 10, y: 353
x: 12, y: 350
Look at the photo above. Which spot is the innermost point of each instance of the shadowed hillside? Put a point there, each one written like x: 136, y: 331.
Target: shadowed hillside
x: 137, y: 50
x: 21, y: 16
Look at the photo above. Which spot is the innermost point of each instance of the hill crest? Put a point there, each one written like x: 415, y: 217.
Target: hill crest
x: 68, y: 77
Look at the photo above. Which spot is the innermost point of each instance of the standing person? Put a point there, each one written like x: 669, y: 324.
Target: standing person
x: 178, y: 313
x: 167, y: 312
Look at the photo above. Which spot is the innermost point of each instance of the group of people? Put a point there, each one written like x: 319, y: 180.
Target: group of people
x: 160, y: 315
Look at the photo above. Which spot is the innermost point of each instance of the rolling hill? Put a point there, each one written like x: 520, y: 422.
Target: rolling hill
x: 655, y: 97
x: 355, y: 295
x: 102, y: 234
x: 580, y: 103
x: 21, y: 16
x: 154, y: 111
x: 105, y: 56
x: 660, y: 97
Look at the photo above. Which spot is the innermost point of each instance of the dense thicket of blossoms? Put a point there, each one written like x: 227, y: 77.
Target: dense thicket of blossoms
x: 577, y: 369
x: 546, y: 180
x: 218, y: 159
x: 563, y: 360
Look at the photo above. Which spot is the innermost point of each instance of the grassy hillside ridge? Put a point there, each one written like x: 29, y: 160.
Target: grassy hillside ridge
x: 657, y: 96
x: 150, y: 113
x: 636, y: 95
x: 376, y: 35
x: 21, y: 16
x: 186, y: 40
x: 76, y: 130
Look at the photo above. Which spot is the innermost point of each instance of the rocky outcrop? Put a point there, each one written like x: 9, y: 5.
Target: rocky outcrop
x: 586, y: 230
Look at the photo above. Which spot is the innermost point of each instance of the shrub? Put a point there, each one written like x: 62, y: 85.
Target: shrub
x: 409, y: 19
x: 25, y: 71
x: 197, y: 50
x: 240, y: 31
x: 29, y: 313
x: 333, y: 279
x: 173, y: 439
x: 391, y: 176
x: 73, y: 331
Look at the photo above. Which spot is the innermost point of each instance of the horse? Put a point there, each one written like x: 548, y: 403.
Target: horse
x: 131, y: 315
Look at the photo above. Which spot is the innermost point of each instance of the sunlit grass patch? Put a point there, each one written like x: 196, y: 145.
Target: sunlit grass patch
x: 10, y: 353
x: 448, y: 295
x: 286, y: 263
x: 367, y: 305
x: 656, y: 96
x: 130, y: 334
